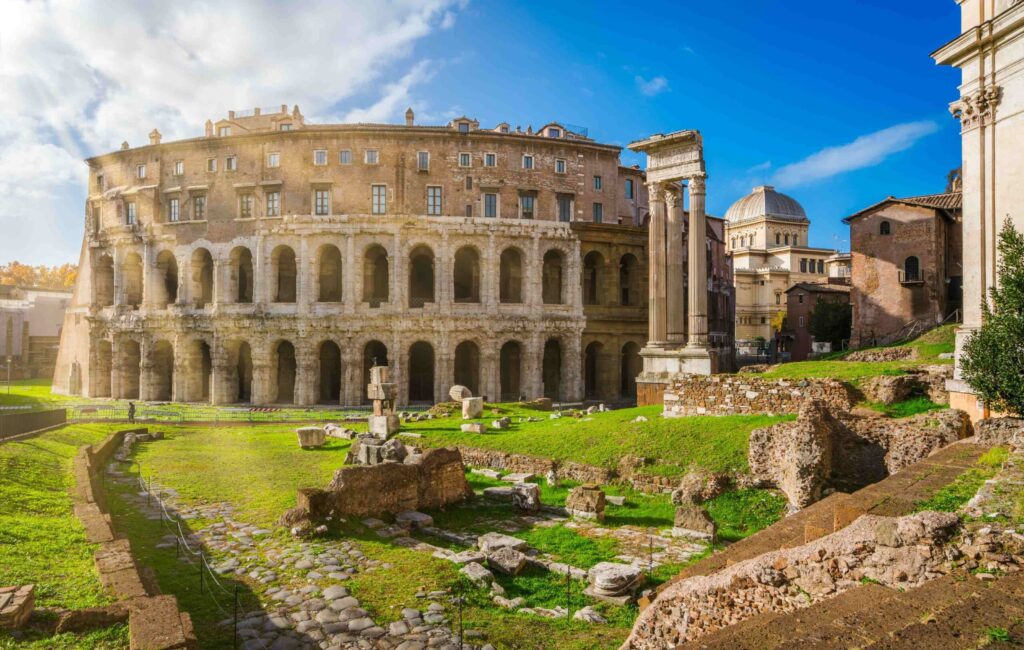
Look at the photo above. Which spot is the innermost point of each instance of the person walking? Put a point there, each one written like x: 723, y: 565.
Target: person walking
x: 131, y: 412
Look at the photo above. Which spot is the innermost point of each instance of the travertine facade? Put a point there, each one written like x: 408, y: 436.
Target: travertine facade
x: 273, y: 261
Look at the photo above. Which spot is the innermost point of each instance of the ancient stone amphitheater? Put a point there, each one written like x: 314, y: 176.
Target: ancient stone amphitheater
x: 274, y: 261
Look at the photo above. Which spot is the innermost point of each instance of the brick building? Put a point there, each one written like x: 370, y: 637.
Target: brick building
x: 801, y: 299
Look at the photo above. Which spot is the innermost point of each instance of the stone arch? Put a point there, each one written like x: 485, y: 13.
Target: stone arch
x: 328, y: 384
x: 421, y: 276
x: 510, y: 280
x: 283, y: 371
x: 162, y: 377
x: 329, y: 274
x: 285, y: 273
x: 131, y: 278
x: 103, y: 370
x: 552, y: 277
x: 592, y: 370
x: 202, y: 278
x: 593, y: 262
x: 375, y: 276
x: 103, y: 281
x: 130, y: 353
x: 200, y: 370
x: 421, y: 372
x: 911, y: 269
x: 241, y: 275
x: 630, y: 366
x: 467, y: 366
x: 551, y: 369
x: 167, y: 279
x: 510, y: 369
x: 374, y: 353
x: 629, y: 280
x: 242, y: 372
x: 466, y: 275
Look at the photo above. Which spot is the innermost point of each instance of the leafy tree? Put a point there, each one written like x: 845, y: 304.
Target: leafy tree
x: 778, y: 321
x: 831, y: 321
x: 44, y: 277
x: 992, y: 360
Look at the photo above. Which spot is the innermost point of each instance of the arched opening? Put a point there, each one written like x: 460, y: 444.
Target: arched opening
x: 375, y: 353
x: 131, y: 368
x: 630, y: 367
x: 467, y: 366
x: 629, y: 280
x: 282, y: 265
x: 329, y: 274
x: 283, y: 371
x: 466, y: 275
x: 329, y: 377
x: 551, y: 371
x: 421, y: 372
x: 131, y: 276
x: 162, y: 379
x: 421, y: 276
x: 510, y: 371
x: 551, y: 278
x: 884, y: 228
x: 243, y: 373
x: 375, y: 276
x: 592, y: 370
x: 202, y: 278
x: 103, y: 368
x: 167, y: 279
x: 103, y: 281
x: 199, y: 380
x: 592, y: 263
x: 911, y: 269
x: 241, y: 275
x: 510, y: 289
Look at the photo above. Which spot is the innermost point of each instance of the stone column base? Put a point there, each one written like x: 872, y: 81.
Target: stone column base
x: 962, y: 397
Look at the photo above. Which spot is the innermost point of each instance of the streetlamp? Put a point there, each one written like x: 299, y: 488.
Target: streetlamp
x: 8, y: 374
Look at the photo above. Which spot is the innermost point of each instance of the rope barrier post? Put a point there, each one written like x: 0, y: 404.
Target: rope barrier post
x: 462, y: 637
x: 234, y: 639
x: 200, y: 572
x: 568, y: 592
x: 177, y: 547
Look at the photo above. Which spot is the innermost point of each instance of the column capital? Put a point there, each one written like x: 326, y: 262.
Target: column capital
x: 655, y: 190
x: 673, y: 198
x: 698, y: 184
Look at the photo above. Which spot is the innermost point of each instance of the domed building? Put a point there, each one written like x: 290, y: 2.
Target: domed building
x: 766, y: 235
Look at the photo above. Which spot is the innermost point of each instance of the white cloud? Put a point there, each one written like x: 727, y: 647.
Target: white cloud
x: 760, y: 167
x: 79, y: 77
x: 651, y: 87
x: 866, y: 151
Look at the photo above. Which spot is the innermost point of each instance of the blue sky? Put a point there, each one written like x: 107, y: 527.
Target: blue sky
x: 838, y: 104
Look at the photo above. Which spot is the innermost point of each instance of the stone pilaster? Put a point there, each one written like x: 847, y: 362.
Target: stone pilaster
x: 220, y: 383
x: 306, y: 372
x: 572, y: 368
x: 676, y: 320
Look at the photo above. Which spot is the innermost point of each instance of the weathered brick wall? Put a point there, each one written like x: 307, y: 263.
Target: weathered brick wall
x: 744, y: 394
x: 564, y: 470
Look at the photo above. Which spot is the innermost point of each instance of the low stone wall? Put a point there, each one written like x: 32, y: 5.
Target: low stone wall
x: 746, y: 394
x: 16, y: 424
x: 155, y: 622
x: 564, y: 470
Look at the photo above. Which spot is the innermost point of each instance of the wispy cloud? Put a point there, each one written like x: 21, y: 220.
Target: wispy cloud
x: 866, y: 151
x: 651, y: 87
x: 395, y: 97
x: 760, y: 167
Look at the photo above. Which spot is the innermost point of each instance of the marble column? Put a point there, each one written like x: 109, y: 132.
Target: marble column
x: 657, y: 332
x: 698, y: 271
x: 674, y: 267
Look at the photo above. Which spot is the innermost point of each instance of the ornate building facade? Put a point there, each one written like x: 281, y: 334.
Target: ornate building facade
x: 275, y: 261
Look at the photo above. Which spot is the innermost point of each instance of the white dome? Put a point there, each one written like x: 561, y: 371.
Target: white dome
x: 764, y: 201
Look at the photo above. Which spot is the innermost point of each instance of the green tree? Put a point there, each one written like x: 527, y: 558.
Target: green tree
x: 992, y: 360
x: 831, y: 321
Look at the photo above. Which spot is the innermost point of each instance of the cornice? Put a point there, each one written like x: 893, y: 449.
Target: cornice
x: 961, y: 48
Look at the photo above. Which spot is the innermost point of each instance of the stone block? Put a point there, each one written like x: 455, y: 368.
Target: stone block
x: 379, y: 375
x: 526, y: 497
x: 414, y: 519
x: 311, y: 437
x: 477, y: 574
x: 507, y: 560
x: 472, y: 407
x: 393, y: 451
x: 459, y: 392
x: 501, y: 423
x: 490, y: 542
x: 693, y: 521
x: 614, y: 582
x: 517, y: 477
x: 504, y: 493
x: 16, y: 606
x: 384, y: 426
x: 474, y: 427
x: 387, y: 392
x: 586, y: 501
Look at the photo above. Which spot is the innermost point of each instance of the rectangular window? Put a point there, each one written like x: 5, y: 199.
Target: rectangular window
x: 597, y: 183
x: 803, y: 265
x: 100, y: 183
x: 465, y: 160
x: 554, y: 133
x: 423, y: 161
x: 490, y: 205
x: 320, y: 157
x: 526, y: 203
x: 345, y: 157
x: 231, y: 163
x: 379, y: 203
x: 274, y: 204
x: 463, y: 127
x: 245, y: 202
x: 490, y: 160
x: 199, y: 208
x: 224, y: 131
x: 559, y: 166
x: 322, y: 201
x: 800, y: 298
x: 801, y: 321
x: 821, y: 266
x: 179, y: 167
x: 173, y: 210
x: 130, y: 213
x: 434, y: 200
x: 598, y: 213
x: 284, y: 126
x: 469, y: 210
x: 564, y: 209
x: 273, y: 159
x: 371, y: 157
x: 629, y: 188
x: 469, y: 182
x: 527, y: 161
x: 140, y: 171
x: 211, y: 164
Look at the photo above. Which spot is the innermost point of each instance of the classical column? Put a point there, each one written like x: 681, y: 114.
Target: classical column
x: 351, y: 276
x: 674, y: 267
x: 351, y: 389
x: 146, y: 370
x: 489, y: 372
x: 220, y: 383
x: 148, y: 276
x: 657, y: 328
x: 698, y: 271
x: 306, y: 371
x: 304, y: 270
x: 572, y: 368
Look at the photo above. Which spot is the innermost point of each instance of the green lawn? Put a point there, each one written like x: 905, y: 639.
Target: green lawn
x: 907, y: 408
x: 952, y: 497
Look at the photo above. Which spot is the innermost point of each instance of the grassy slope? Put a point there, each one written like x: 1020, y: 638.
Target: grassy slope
x: 952, y: 497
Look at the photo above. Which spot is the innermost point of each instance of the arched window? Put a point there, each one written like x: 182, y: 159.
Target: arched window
x: 202, y: 278
x: 284, y: 271
x: 911, y: 269
x: 421, y: 276
x: 787, y: 240
x: 884, y: 228
x: 511, y: 276
x: 329, y: 274
x: 466, y: 275
x: 629, y: 277
x: 551, y: 278
x: 592, y: 264
x: 778, y: 238
x: 375, y: 278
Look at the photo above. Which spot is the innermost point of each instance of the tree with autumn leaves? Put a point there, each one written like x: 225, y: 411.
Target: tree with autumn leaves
x: 42, y: 276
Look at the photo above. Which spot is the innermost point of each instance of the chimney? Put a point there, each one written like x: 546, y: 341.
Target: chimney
x: 124, y: 146
x: 154, y: 137
x: 209, y: 128
x: 231, y: 115
x: 284, y: 108
x: 256, y: 111
x: 408, y: 116
x: 529, y: 130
